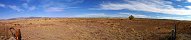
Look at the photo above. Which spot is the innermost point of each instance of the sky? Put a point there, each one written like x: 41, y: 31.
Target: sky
x: 158, y: 9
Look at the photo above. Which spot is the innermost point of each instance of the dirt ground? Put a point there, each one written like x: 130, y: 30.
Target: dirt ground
x: 97, y: 29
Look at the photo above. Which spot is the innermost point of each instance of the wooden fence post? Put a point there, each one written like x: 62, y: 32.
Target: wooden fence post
x: 18, y: 34
x: 174, y: 31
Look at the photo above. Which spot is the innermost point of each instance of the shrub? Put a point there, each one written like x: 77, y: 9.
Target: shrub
x: 131, y: 17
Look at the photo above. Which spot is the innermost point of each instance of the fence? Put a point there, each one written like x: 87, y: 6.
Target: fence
x: 173, y: 32
x: 16, y: 33
x: 9, y: 33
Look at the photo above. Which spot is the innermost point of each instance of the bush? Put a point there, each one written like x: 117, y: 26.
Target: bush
x: 131, y: 17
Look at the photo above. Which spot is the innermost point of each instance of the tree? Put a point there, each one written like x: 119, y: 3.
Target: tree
x: 131, y: 17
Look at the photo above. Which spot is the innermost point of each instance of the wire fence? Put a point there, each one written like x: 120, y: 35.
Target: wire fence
x: 9, y: 33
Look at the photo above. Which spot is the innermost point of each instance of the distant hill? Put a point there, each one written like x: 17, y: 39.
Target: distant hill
x: 25, y: 18
x: 82, y: 17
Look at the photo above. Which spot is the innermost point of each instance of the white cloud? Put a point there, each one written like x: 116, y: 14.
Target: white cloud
x: 19, y: 8
x: 189, y: 0
x: 15, y: 8
x: 28, y: 7
x: 54, y: 9
x: 158, y: 6
x: 2, y: 5
x: 188, y: 7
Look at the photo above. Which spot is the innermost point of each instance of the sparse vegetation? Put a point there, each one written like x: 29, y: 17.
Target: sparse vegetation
x: 98, y: 29
x: 131, y: 17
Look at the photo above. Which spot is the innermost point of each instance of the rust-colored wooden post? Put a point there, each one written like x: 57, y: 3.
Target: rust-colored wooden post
x: 18, y: 34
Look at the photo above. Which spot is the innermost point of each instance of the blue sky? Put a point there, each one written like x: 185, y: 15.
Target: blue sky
x: 159, y: 9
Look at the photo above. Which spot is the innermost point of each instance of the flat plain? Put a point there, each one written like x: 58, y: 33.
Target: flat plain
x: 96, y: 29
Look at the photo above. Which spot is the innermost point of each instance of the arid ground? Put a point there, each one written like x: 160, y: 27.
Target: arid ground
x: 95, y: 29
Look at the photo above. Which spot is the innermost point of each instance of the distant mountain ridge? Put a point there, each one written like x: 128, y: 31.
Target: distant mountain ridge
x: 83, y: 17
x: 26, y: 18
